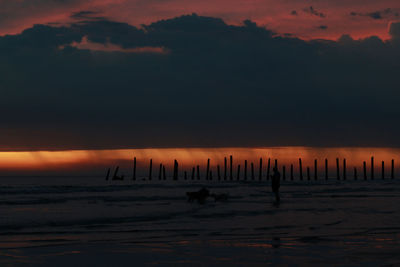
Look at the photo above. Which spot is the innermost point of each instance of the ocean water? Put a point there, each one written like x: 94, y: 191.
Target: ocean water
x: 87, y: 221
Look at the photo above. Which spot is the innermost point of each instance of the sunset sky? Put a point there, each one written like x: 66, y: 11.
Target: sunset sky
x: 129, y: 74
x: 305, y: 19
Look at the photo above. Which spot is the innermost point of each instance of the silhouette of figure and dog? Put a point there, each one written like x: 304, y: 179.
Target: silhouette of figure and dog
x: 200, y: 195
x: 203, y: 194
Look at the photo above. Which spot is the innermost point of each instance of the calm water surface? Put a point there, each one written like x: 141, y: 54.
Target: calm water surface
x: 53, y: 221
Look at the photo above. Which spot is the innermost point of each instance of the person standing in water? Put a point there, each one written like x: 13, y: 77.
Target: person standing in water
x: 276, y: 183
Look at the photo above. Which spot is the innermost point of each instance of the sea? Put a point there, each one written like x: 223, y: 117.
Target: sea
x: 88, y: 221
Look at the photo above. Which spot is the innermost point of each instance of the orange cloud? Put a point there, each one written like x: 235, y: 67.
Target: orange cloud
x: 188, y: 157
x: 108, y: 47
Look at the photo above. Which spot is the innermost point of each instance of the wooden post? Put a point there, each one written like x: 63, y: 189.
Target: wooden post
x: 108, y: 174
x: 160, y: 172
x: 193, y: 170
x: 245, y: 169
x: 383, y: 170
x: 231, y: 167
x: 238, y: 172
x: 198, y: 172
x: 355, y: 173
x: 276, y: 163
x: 185, y: 175
x: 365, y: 170
x: 392, y: 172
x: 268, y: 168
x: 372, y: 168
x: 150, y: 168
x: 164, y: 175
x: 134, y: 169
x: 315, y: 169
x: 210, y: 178
x: 308, y: 173
x: 326, y: 169
x: 252, y: 171
x: 208, y: 168
x: 224, y: 168
x: 116, y: 172
x: 284, y: 172
x: 291, y: 172
x: 337, y: 169
x: 344, y: 169
x: 219, y: 173
x: 176, y: 171
x: 260, y: 170
x: 300, y: 169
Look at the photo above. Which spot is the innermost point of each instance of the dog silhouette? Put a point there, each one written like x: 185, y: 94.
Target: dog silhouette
x: 200, y: 195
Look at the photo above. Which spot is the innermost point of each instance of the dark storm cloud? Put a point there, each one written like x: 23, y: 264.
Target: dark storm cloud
x: 311, y: 10
x: 219, y: 85
x: 322, y: 27
x: 86, y: 15
x: 381, y: 14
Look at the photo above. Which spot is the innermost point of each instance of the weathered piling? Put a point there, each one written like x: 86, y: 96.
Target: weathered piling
x: 224, y: 168
x: 231, y: 167
x: 108, y: 174
x: 392, y: 171
x: 365, y: 170
x: 344, y: 169
x: 315, y: 169
x: 337, y: 169
x: 252, y: 175
x: 164, y: 174
x: 300, y: 169
x: 245, y: 169
x: 150, y: 168
x: 208, y: 169
x: 326, y: 169
x: 291, y: 172
x: 175, y: 170
x: 372, y: 168
x: 116, y: 172
x: 134, y: 169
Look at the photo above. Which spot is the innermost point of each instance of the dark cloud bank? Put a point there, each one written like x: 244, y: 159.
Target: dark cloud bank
x: 219, y: 85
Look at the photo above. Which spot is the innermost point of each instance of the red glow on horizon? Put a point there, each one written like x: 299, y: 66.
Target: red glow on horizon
x: 190, y: 157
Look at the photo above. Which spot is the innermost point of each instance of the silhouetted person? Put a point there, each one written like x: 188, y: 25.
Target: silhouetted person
x: 276, y: 183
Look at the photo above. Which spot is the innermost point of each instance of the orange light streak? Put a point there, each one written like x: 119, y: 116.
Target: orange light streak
x: 189, y: 157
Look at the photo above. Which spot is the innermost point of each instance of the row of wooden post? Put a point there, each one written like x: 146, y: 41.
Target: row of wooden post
x: 208, y: 176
